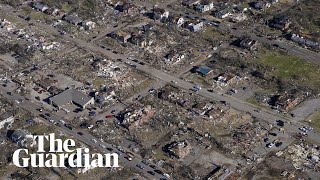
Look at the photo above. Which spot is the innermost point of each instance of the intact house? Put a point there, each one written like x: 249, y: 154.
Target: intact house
x: 202, y: 70
x: 122, y: 36
x: 22, y: 138
x: 282, y: 23
x: 223, y: 13
x: 72, y: 19
x: 40, y: 6
x: 71, y: 96
x: 204, y: 6
x: 194, y: 25
x: 160, y: 14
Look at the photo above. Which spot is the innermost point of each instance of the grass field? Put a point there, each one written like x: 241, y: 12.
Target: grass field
x: 210, y: 34
x: 315, y: 120
x: 292, y: 68
x: 306, y: 16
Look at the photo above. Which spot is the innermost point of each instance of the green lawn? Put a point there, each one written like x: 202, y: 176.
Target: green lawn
x: 67, y: 7
x: 210, y: 34
x: 293, y: 68
x: 315, y: 120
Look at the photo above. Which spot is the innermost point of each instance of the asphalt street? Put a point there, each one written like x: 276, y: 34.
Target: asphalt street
x: 266, y: 115
x: 85, y: 137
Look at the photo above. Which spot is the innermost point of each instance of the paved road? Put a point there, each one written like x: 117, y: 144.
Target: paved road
x: 267, y: 115
x: 289, y: 47
x: 85, y: 138
x: 107, y: 31
x: 45, y: 62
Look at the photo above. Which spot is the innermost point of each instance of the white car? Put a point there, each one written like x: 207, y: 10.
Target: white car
x: 62, y: 121
x: 198, y: 87
x: 94, y: 140
x: 101, y: 145
x: 166, y: 175
x: 303, y: 134
x: 303, y: 129
x: 270, y: 145
x: 52, y: 121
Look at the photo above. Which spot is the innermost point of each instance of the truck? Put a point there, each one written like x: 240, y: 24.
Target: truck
x: 66, y: 110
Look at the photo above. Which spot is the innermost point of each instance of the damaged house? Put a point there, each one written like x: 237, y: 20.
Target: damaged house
x: 140, y: 40
x: 160, y: 14
x: 134, y: 119
x: 226, y: 79
x: 305, y: 41
x: 122, y: 36
x: 40, y: 6
x: 246, y: 43
x: 125, y: 7
x: 190, y: 3
x: 173, y: 57
x: 178, y: 149
x: 282, y: 23
x: 176, y: 20
x: 72, y: 19
x: 22, y: 138
x: 283, y: 103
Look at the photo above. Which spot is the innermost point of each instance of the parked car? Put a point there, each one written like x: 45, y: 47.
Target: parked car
x: 43, y: 116
x: 101, y: 145
x: 278, y: 144
x: 139, y: 166
x: 158, y: 171
x: 68, y: 126
x: 109, y: 116
x: 270, y: 145
x: 52, y: 121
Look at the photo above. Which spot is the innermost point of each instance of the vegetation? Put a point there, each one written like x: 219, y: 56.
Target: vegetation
x: 315, y: 120
x: 292, y: 69
x: 306, y: 17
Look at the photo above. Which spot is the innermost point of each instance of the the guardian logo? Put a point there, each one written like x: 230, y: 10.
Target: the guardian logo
x: 60, y: 154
